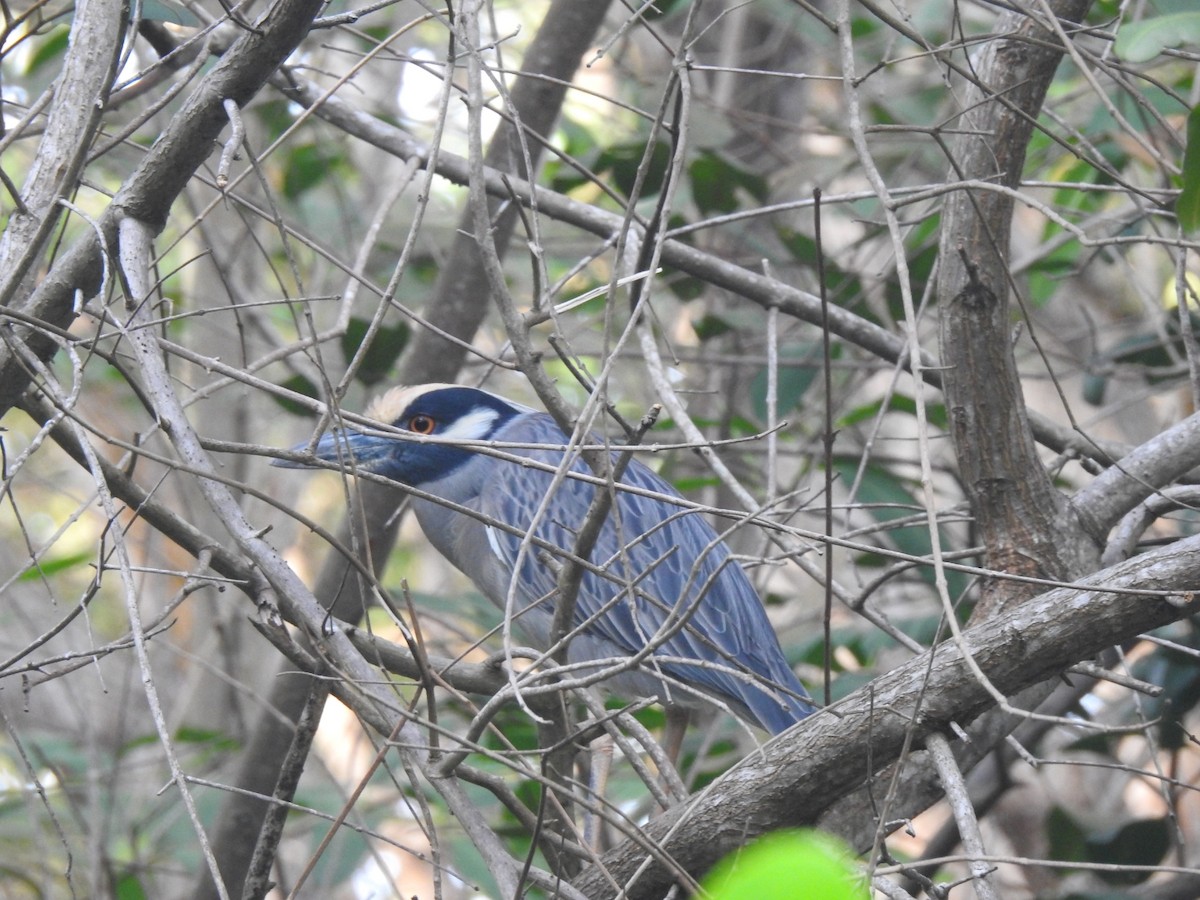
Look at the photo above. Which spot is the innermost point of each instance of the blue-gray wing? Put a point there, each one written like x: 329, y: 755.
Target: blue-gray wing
x: 665, y: 572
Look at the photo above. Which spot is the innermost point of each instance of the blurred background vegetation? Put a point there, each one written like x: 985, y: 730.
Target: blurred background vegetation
x: 307, y: 266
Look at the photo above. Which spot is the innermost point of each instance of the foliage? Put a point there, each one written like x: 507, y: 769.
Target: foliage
x: 316, y: 220
x: 793, y: 865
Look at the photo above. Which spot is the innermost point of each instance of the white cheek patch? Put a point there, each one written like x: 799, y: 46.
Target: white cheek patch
x: 474, y: 426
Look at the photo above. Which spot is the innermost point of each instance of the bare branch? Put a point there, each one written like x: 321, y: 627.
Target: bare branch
x: 800, y: 773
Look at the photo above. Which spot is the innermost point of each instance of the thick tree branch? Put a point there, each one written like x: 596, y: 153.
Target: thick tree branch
x: 806, y: 770
x: 80, y: 95
x: 1023, y: 520
x: 151, y: 189
x: 1133, y: 478
x: 815, y: 765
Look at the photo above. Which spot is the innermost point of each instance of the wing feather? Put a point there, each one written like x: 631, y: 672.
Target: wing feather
x: 664, y: 567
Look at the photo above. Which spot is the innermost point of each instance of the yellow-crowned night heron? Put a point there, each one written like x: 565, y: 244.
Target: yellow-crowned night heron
x: 659, y: 575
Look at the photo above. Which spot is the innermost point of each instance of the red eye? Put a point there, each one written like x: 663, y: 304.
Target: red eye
x: 421, y: 424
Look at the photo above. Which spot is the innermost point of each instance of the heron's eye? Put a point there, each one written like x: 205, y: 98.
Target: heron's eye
x: 421, y: 424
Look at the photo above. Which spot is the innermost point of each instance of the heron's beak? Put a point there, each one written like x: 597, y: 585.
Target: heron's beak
x: 349, y: 449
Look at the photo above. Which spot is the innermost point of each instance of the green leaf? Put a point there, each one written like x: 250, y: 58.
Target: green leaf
x: 685, y: 287
x: 794, y: 381
x: 787, y: 865
x: 307, y: 166
x: 1094, y: 743
x: 46, y: 567
x: 49, y: 49
x: 1157, y: 360
x: 692, y: 485
x: 386, y: 347
x: 710, y: 326
x: 1176, y: 673
x: 935, y: 413
x: 129, y: 887
x: 1068, y: 843
x: 863, y: 26
x: 217, y: 740
x: 300, y: 385
x: 887, y: 499
x: 841, y: 286
x: 621, y: 163
x: 276, y: 116
x: 1049, y: 272
x: 519, y: 732
x: 1144, y: 40
x: 1141, y: 843
x: 196, y: 737
x: 576, y: 141
x: 716, y: 181
x: 1187, y: 207
x: 529, y: 792
x: 866, y: 645
x: 652, y: 717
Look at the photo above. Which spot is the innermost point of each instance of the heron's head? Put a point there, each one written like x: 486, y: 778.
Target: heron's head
x: 445, y: 411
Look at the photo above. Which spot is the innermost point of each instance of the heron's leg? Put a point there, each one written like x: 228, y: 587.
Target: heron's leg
x: 673, y: 733
x: 600, y: 757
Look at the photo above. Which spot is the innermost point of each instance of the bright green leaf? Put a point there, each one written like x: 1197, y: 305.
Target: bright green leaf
x: 129, y: 887
x: 692, y: 485
x: 863, y: 26
x: 217, y: 740
x: 57, y: 564
x: 787, y: 865
x: 1187, y: 207
x: 1142, y: 41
